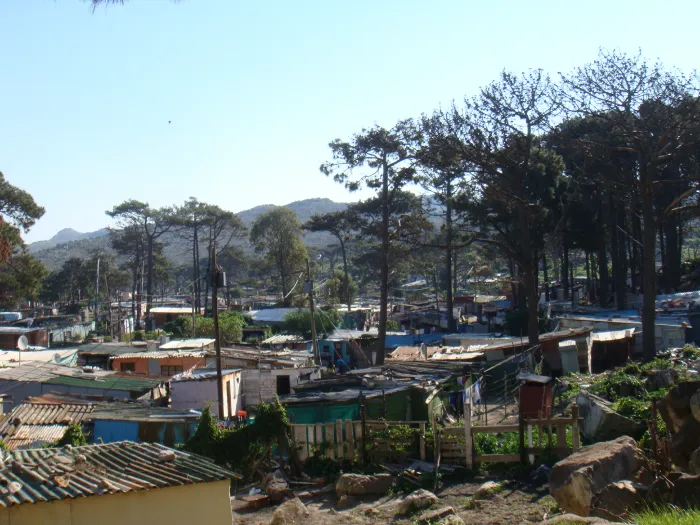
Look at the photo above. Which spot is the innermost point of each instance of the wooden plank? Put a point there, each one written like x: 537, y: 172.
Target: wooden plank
x: 319, y: 434
x: 340, y: 449
x: 551, y: 421
x: 330, y: 438
x: 301, y: 441
x: 497, y: 458
x: 561, y: 435
x: 566, y: 451
x: 421, y: 441
x: 452, y: 430
x: 575, y: 430
x: 349, y: 441
x: 447, y: 446
x: 468, y: 436
x: 394, y: 423
x: 495, y: 429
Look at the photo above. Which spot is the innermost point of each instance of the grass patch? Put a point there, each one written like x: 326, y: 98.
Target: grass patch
x: 667, y: 516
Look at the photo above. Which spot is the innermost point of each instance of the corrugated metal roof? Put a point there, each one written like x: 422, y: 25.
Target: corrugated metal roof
x: 30, y: 414
x: 34, y: 436
x: 283, y: 339
x: 126, y: 382
x: 187, y: 343
x: 161, y: 354
x: 174, y: 310
x: 51, y: 474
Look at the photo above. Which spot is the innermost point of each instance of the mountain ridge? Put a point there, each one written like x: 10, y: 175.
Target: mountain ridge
x: 69, y: 243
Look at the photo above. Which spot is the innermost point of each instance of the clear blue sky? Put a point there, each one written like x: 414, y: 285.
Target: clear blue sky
x: 256, y: 90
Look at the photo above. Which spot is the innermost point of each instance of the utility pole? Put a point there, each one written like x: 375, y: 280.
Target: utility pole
x: 309, y: 285
x: 193, y: 307
x: 97, y: 294
x: 217, y: 342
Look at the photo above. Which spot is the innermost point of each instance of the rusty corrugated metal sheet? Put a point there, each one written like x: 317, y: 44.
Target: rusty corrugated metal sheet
x: 50, y: 474
x: 31, y: 414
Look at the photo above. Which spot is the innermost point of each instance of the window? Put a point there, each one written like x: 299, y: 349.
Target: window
x: 283, y: 386
x: 170, y: 370
x: 128, y: 367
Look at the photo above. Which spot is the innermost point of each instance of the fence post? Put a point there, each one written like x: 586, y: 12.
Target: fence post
x: 575, y: 430
x: 436, y: 444
x: 521, y: 432
x: 540, y: 431
x: 531, y: 456
x: 505, y: 397
x: 421, y: 441
x: 339, y: 442
x: 468, y: 443
x: 349, y: 440
x: 483, y: 398
x: 363, y: 420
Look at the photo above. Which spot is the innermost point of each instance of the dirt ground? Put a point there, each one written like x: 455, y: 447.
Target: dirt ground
x: 517, y: 503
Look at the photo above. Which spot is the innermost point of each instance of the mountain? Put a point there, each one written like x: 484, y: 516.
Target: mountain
x: 69, y: 243
x: 65, y: 235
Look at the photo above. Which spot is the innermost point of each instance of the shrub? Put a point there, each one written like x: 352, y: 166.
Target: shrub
x: 690, y: 352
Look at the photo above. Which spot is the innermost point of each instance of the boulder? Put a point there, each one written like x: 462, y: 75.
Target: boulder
x: 292, y: 512
x: 686, y: 491
x: 685, y: 441
x: 345, y: 502
x: 675, y: 406
x: 361, y: 485
x: 601, y: 422
x: 276, y: 487
x: 658, y: 379
x: 694, y: 465
x: 618, y: 499
x: 418, y: 500
x: 485, y: 490
x: 575, y: 480
x: 695, y: 405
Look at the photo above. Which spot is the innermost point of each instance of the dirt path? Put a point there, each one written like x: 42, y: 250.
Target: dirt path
x: 517, y: 503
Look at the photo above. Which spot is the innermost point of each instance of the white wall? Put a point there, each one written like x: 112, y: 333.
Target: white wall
x: 261, y: 385
x: 198, y: 394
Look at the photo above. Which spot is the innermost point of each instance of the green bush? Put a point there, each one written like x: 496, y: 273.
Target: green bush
x: 73, y: 436
x: 618, y: 384
x: 637, y: 409
x: 107, y: 339
x: 690, y: 352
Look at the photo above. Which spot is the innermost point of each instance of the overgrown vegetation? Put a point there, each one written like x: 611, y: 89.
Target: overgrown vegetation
x: 73, y: 436
x: 242, y: 449
x: 668, y: 515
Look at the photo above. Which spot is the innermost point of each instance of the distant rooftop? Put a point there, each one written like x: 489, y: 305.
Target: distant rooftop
x: 187, y: 343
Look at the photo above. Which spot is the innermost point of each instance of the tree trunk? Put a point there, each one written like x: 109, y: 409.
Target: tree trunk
x: 636, y: 231
x: 449, y: 299
x: 604, y: 278
x: 149, y: 278
x: 545, y: 275
x: 346, y: 277
x: 618, y: 254
x: 565, y: 269
x: 384, y: 268
x: 649, y: 264
x: 672, y: 260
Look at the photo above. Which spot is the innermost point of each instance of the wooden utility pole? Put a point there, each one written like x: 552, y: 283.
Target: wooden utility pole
x: 194, y: 332
x: 217, y: 339
x: 310, y: 286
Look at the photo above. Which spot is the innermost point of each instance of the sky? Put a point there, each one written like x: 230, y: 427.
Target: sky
x: 235, y: 102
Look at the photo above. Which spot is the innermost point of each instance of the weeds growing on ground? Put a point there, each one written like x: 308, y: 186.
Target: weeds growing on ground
x: 669, y: 515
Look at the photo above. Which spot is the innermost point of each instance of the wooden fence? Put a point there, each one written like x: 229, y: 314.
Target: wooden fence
x: 456, y: 444
x: 452, y: 445
x: 344, y: 439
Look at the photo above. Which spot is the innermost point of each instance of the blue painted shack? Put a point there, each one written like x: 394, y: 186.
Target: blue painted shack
x: 142, y: 423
